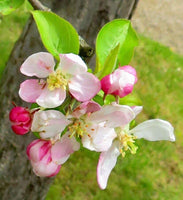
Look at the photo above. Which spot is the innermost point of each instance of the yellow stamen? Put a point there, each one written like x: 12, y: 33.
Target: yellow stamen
x: 78, y: 127
x: 127, y: 142
x: 56, y: 80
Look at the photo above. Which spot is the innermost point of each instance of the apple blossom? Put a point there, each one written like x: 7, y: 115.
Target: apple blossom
x: 21, y: 120
x: 47, y: 157
x: 49, y: 123
x: 120, y: 82
x: 96, y: 127
x: 50, y: 91
x: 152, y: 130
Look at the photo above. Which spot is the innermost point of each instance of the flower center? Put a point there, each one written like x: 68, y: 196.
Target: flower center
x: 56, y: 80
x: 127, y: 142
x: 78, y: 127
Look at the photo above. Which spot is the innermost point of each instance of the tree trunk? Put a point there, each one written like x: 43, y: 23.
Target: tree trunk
x: 17, y: 180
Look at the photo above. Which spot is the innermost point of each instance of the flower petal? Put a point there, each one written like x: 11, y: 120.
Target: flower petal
x: 99, y: 138
x: 114, y: 115
x: 86, y: 107
x: 62, y: 149
x: 49, y: 123
x: 137, y: 109
x: 122, y: 83
x: 38, y: 149
x: 19, y: 114
x: 39, y: 64
x: 84, y: 86
x: 154, y: 130
x: 72, y: 64
x: 106, y: 83
x: 51, y: 99
x: 45, y: 169
x: 21, y: 129
x: 106, y: 163
x: 130, y: 70
x: 34, y: 142
x: 31, y: 89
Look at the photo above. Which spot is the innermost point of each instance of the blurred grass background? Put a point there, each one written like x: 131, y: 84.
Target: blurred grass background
x: 156, y: 171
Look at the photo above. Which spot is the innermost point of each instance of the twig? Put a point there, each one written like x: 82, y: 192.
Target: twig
x: 85, y: 50
x: 37, y: 5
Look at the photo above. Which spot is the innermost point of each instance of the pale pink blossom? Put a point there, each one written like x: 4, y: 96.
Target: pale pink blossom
x: 50, y: 90
x: 96, y: 125
x: 152, y: 130
x: 49, y: 123
x: 46, y: 158
x: 21, y: 120
x: 120, y: 82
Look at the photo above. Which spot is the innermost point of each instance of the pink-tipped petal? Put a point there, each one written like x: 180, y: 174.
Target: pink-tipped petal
x: 124, y: 91
x: 84, y: 86
x: 51, y: 99
x: 72, y: 64
x: 62, y: 149
x: 45, y: 170
x: 120, y: 82
x: 55, y: 171
x: 20, y: 129
x: 38, y: 149
x: 154, y: 130
x: 31, y: 89
x: 99, y: 139
x: 30, y: 146
x: 90, y: 106
x: 39, y: 64
x: 106, y: 83
x: 113, y: 115
x: 106, y: 163
x: 130, y: 70
x: 86, y: 107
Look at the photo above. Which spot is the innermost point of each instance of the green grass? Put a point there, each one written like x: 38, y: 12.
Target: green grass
x: 156, y: 171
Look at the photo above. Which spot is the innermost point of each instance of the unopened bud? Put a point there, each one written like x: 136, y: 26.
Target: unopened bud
x: 120, y: 82
x: 20, y: 118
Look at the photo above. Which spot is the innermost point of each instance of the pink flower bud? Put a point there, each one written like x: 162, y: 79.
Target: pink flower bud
x: 39, y: 153
x: 46, y: 158
x: 20, y: 118
x: 120, y: 82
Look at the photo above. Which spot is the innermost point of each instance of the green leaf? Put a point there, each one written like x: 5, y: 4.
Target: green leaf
x: 110, y: 63
x: 36, y: 134
x: 7, y: 6
x: 130, y: 100
x: 99, y: 98
x: 34, y: 105
x: 57, y: 34
x: 117, y: 32
x: 109, y: 99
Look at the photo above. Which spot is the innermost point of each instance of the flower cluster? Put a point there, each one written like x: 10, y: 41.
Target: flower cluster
x: 65, y: 114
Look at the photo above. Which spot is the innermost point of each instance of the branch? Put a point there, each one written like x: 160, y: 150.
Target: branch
x: 85, y: 50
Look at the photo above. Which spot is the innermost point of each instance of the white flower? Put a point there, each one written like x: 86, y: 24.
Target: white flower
x: 152, y: 130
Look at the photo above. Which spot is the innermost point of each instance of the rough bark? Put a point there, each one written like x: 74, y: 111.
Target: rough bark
x: 17, y: 180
